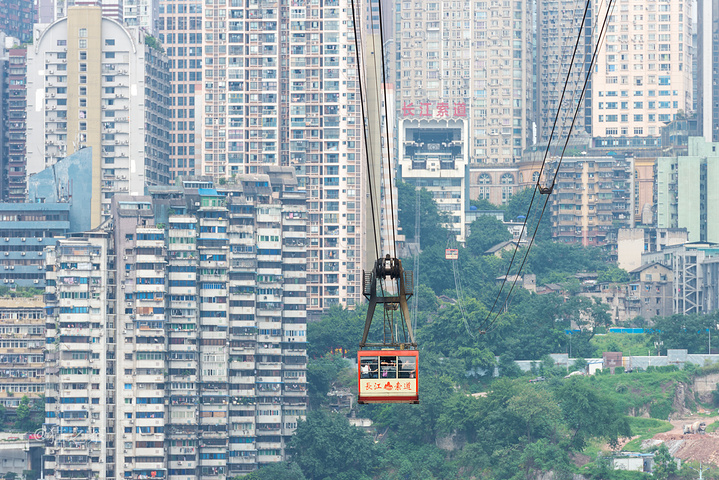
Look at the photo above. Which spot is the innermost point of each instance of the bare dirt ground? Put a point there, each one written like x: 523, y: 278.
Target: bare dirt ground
x: 704, y: 448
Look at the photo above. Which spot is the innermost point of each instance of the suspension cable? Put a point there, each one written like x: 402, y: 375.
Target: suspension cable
x: 537, y: 187
x: 600, y: 42
x: 365, y: 127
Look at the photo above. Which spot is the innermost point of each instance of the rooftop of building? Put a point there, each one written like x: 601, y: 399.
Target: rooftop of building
x: 11, y: 299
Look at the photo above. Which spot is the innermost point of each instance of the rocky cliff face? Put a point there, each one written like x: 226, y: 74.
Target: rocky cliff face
x: 704, y: 385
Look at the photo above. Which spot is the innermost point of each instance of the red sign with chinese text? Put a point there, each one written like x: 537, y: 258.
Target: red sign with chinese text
x: 434, y: 109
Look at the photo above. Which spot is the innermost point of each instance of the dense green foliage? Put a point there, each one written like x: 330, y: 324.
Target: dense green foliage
x: 513, y: 428
x: 30, y: 414
x: 24, y: 292
x: 486, y: 232
x: 686, y: 331
x: 326, y: 446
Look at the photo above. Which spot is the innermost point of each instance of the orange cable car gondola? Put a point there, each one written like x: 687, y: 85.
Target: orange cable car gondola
x: 388, y: 372
x: 388, y: 376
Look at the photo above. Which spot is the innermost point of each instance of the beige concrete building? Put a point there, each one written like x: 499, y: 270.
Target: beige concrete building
x: 468, y: 61
x: 591, y: 199
x: 643, y: 74
x: 94, y: 83
x: 22, y: 343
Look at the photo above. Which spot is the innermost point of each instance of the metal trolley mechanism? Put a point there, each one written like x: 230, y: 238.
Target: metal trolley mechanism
x: 388, y: 371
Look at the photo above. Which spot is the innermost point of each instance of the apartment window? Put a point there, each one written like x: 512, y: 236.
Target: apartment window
x: 82, y: 33
x: 109, y: 42
x: 82, y: 43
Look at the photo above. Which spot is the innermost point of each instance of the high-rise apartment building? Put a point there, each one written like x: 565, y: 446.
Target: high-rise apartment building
x: 686, y: 193
x: 276, y: 84
x: 557, y: 33
x: 707, y: 61
x: 52, y: 10
x: 26, y: 229
x: 643, y: 76
x: 144, y: 14
x: 16, y: 19
x: 202, y: 332
x: 181, y: 31
x: 13, y: 143
x: 468, y: 62
x: 80, y: 368
x: 22, y: 343
x: 94, y: 83
x: 591, y: 199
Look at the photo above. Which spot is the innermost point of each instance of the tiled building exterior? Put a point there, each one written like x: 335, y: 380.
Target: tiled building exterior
x: 95, y: 83
x: 558, y: 24
x: 16, y: 18
x: 276, y: 84
x: 472, y: 62
x: 592, y: 199
x: 22, y: 343
x: 643, y: 75
x: 203, y: 363
x: 13, y: 143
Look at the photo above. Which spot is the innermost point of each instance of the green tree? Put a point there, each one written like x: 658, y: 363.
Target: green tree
x: 338, y: 328
x: 613, y: 274
x: 508, y: 367
x: 533, y: 412
x: 589, y: 413
x: 684, y: 331
x: 321, y: 374
x: 664, y: 465
x: 276, y: 471
x: 24, y: 420
x: 486, y: 232
x: 517, y: 205
x: 427, y: 301
x: 431, y: 229
x: 484, y: 204
x: 568, y: 259
x: 418, y: 424
x: 326, y: 446
x: 544, y: 456
x: 516, y: 209
x: 403, y: 460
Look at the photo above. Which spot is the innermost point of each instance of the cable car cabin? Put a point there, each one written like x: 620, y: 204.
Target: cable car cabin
x: 388, y: 376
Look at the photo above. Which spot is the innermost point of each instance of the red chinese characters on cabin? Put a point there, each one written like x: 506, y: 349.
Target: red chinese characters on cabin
x: 389, y: 386
x: 424, y: 109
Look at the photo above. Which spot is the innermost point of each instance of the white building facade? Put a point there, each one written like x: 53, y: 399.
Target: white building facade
x: 94, y: 83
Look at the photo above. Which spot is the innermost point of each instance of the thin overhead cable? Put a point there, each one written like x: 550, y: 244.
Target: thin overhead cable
x: 538, y: 187
x: 365, y: 127
x: 600, y: 41
x: 387, y: 138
